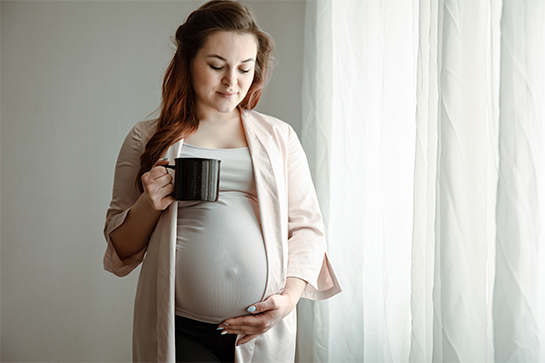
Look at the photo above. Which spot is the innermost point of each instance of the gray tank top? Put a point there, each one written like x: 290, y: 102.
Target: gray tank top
x: 221, y: 266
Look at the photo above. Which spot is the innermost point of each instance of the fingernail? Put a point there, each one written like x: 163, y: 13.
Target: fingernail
x: 164, y: 159
x: 223, y: 332
x: 225, y: 323
x: 220, y: 328
x: 251, y: 309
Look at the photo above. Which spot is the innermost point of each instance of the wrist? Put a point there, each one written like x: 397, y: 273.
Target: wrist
x: 293, y: 298
x: 294, y: 289
x: 145, y: 206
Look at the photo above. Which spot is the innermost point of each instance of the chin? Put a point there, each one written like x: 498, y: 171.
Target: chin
x: 227, y: 108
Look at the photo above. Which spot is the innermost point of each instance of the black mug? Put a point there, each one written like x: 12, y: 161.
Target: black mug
x: 196, y: 179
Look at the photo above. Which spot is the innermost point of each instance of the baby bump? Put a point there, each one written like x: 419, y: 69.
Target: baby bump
x: 221, y: 266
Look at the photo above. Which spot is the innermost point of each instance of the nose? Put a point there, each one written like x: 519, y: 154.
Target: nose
x: 230, y: 78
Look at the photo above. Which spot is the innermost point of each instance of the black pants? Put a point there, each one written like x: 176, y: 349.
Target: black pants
x: 202, y: 342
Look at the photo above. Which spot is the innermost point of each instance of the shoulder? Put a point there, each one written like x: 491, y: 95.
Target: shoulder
x: 137, y: 138
x: 144, y: 130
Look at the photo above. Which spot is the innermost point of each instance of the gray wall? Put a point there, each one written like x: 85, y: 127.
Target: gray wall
x: 75, y: 76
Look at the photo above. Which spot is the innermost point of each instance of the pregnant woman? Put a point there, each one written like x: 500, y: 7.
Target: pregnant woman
x: 219, y: 280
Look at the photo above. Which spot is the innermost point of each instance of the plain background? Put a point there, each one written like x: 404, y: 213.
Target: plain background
x: 75, y: 77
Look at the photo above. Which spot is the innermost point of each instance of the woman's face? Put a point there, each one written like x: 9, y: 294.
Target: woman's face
x: 222, y: 72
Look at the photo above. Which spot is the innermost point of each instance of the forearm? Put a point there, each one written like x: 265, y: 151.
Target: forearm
x: 294, y: 289
x: 134, y: 234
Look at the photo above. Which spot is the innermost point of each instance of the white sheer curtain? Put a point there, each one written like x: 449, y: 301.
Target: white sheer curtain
x: 424, y: 124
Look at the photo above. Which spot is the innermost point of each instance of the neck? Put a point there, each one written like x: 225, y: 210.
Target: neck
x: 219, y: 117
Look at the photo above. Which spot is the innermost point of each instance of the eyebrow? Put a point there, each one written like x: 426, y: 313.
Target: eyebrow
x: 225, y: 60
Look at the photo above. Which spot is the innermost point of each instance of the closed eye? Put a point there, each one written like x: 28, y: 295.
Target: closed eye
x: 244, y: 70
x: 216, y: 68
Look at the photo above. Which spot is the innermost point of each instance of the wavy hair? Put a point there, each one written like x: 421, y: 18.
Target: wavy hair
x: 177, y: 118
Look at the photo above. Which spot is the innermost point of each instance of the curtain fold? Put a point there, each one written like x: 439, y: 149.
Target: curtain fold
x: 460, y: 318
x: 314, y: 329
x: 358, y: 129
x: 519, y: 294
x: 423, y: 237
x: 424, y: 126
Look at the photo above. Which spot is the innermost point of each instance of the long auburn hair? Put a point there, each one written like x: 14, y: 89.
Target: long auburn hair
x: 178, y: 117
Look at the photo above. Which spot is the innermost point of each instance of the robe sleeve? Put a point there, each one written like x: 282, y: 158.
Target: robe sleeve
x: 124, y: 195
x: 307, y: 257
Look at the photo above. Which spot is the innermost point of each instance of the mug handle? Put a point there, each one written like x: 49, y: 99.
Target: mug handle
x: 173, y: 167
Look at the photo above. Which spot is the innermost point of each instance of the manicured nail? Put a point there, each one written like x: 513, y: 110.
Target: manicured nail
x: 220, y: 328
x: 164, y: 159
x: 223, y: 332
x: 251, y: 309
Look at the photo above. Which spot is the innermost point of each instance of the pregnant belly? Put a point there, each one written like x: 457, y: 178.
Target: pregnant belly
x: 221, y: 266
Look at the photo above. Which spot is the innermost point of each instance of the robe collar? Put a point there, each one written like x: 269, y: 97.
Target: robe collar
x: 261, y: 151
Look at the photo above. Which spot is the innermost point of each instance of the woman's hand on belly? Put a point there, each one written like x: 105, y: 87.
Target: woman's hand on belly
x: 267, y: 313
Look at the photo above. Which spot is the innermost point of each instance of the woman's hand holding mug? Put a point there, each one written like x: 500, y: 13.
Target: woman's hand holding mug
x: 158, y: 186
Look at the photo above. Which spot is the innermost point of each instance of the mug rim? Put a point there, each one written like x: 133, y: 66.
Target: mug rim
x: 199, y: 159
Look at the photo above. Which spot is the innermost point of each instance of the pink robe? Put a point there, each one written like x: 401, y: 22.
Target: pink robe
x: 292, y: 231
